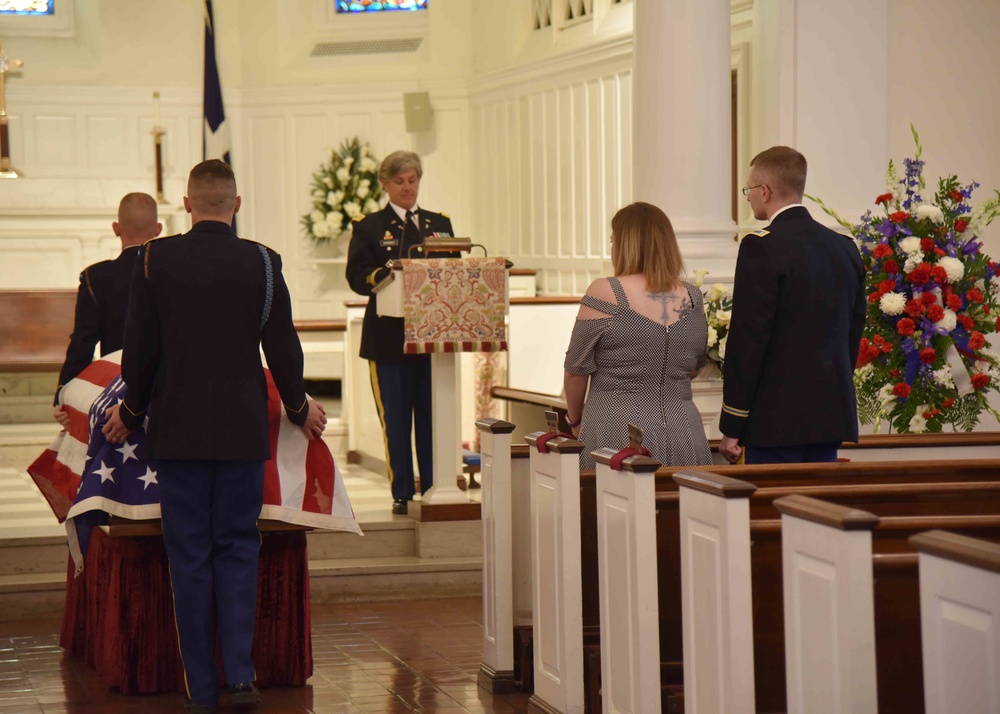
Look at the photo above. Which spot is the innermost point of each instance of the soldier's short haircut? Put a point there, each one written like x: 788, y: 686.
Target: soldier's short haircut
x: 399, y: 162
x: 137, y: 212
x: 211, y: 186
x: 783, y: 169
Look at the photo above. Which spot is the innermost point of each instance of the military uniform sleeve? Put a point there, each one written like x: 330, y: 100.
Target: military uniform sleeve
x: 858, y: 318
x: 86, y: 334
x: 755, y: 302
x: 365, y: 266
x: 283, y: 350
x: 141, y: 346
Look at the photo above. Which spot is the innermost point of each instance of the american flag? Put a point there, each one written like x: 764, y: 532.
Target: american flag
x: 85, y: 479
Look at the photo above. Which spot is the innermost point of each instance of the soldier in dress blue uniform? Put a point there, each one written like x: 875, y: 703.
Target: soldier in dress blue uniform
x: 202, y: 305
x: 401, y: 383
x: 798, y: 314
x: 102, y: 298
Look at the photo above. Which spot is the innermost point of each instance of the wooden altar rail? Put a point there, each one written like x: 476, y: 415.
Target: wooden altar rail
x: 35, y: 326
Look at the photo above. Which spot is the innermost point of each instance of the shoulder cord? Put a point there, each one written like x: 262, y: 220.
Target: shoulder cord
x: 269, y: 285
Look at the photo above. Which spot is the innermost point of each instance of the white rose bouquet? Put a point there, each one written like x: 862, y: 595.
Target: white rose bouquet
x: 345, y: 186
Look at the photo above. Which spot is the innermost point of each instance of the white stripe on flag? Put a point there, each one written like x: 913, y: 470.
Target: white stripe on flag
x: 73, y: 454
x: 218, y: 143
x: 80, y: 394
x: 291, y: 461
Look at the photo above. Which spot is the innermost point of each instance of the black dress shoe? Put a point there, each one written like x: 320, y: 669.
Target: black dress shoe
x: 244, y: 696
x: 399, y: 506
x: 195, y: 708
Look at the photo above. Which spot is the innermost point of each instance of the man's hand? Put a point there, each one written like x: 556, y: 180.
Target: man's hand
x: 60, y: 414
x: 115, y: 431
x: 730, y: 448
x: 316, y: 421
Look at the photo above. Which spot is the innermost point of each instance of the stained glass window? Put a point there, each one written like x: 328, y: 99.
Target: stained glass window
x: 358, y: 6
x: 27, y: 7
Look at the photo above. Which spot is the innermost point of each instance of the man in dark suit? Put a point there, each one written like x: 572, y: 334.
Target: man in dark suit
x: 401, y: 383
x: 102, y: 298
x: 202, y: 304
x: 798, y: 314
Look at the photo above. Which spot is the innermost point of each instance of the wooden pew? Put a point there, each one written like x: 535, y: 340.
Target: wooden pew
x: 34, y: 329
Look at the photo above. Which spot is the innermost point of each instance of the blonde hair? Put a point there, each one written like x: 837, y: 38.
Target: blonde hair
x: 399, y: 162
x: 645, y: 243
x: 212, y: 186
x: 783, y: 169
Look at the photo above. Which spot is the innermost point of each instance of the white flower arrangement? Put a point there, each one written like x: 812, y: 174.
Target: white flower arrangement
x: 718, y: 312
x: 345, y: 186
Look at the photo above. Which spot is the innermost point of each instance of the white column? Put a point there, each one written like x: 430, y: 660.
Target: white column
x: 496, y: 674
x: 682, y: 134
x: 445, y: 413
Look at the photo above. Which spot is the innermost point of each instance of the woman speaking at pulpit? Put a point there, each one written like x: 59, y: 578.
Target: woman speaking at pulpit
x: 639, y: 339
x: 401, y: 383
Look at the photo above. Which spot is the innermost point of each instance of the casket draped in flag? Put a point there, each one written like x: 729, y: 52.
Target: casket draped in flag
x: 85, y: 479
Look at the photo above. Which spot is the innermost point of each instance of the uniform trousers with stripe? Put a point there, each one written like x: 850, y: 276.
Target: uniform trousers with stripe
x: 209, y: 511
x: 403, y: 399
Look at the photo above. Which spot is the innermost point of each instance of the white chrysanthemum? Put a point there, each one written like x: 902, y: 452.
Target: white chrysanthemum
x: 362, y: 192
x: 343, y: 174
x: 949, y: 320
x: 333, y: 198
x: 367, y: 165
x: 953, y: 266
x: 910, y: 245
x: 928, y: 210
x: 371, y: 205
x: 713, y: 336
x: 319, y: 194
x: 918, y: 423
x: 352, y: 209
x: 723, y: 317
x: 863, y: 374
x: 718, y: 291
x: 348, y: 160
x: 722, y: 347
x: 912, y: 262
x: 892, y: 303
x: 321, y: 229
x: 366, y: 183
x: 328, y: 181
x: 334, y: 221
x: 943, y: 377
x: 885, y: 395
x: 316, y: 216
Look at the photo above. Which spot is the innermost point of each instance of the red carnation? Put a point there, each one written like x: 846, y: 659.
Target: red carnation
x: 986, y: 309
x: 905, y: 327
x: 920, y: 275
x: 898, y: 216
x: 928, y: 298
x: 891, y: 267
x: 887, y: 347
x: 865, y: 353
x: 901, y: 389
x: 939, y: 274
x: 935, y: 313
x: 974, y: 296
x: 960, y: 225
x: 878, y: 339
x: 928, y: 355
x: 976, y: 340
x: 939, y: 252
x: 915, y: 308
x: 955, y: 195
x: 926, y: 245
x: 887, y: 286
x: 954, y: 302
x: 882, y: 250
x: 894, y: 372
x: 965, y: 321
x: 980, y: 380
x: 874, y: 297
x: 884, y: 198
x: 947, y: 403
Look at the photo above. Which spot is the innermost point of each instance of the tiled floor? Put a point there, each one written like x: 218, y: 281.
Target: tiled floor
x: 371, y: 657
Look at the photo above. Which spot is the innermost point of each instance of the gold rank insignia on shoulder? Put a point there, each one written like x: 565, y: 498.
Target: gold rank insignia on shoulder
x: 359, y: 217
x: 445, y: 215
x: 761, y: 233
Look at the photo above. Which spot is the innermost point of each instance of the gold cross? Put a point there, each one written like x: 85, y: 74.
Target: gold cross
x: 6, y: 65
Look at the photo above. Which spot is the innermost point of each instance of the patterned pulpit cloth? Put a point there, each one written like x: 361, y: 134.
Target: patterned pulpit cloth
x: 85, y: 478
x: 454, y: 305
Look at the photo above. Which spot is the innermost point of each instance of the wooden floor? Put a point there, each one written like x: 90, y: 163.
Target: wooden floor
x: 369, y: 657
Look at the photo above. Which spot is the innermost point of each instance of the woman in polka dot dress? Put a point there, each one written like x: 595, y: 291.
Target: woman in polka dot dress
x: 638, y: 341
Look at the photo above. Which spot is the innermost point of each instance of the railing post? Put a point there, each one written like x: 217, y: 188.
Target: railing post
x: 959, y: 622
x: 557, y: 590
x: 626, y: 547
x: 826, y: 555
x: 496, y: 673
x: 716, y: 593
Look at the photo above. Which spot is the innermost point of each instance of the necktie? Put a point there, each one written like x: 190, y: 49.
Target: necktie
x: 411, y: 234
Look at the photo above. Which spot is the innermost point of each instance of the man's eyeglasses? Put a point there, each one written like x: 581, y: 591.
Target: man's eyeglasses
x: 748, y: 189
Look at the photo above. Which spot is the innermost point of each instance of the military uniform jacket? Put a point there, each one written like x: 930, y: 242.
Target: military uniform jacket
x: 798, y: 314
x: 378, y: 238
x: 101, y: 302
x: 192, y: 347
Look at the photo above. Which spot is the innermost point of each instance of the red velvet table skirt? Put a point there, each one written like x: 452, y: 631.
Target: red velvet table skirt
x: 119, y: 614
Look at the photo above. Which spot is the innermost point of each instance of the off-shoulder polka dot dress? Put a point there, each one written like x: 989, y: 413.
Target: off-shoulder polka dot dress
x: 639, y: 373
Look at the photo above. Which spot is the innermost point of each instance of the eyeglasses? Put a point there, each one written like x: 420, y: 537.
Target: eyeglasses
x: 748, y: 189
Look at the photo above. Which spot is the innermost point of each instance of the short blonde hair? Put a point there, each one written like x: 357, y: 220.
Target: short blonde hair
x: 645, y: 243
x: 783, y: 169
x: 399, y: 162
x: 212, y: 186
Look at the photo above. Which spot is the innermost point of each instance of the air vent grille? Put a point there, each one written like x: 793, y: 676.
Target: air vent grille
x: 366, y: 47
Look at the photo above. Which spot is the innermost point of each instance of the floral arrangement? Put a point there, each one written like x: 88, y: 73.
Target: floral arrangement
x: 924, y: 360
x: 345, y: 186
x: 718, y: 311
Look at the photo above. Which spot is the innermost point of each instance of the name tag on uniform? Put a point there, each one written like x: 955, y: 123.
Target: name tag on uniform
x: 388, y: 240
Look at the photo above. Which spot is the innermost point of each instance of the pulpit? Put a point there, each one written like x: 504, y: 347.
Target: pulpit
x: 449, y: 305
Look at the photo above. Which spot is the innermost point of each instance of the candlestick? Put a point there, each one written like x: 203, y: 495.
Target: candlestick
x: 6, y: 65
x: 156, y: 109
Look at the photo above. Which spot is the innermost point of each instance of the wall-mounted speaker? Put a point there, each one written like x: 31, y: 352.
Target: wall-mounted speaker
x: 417, y: 108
